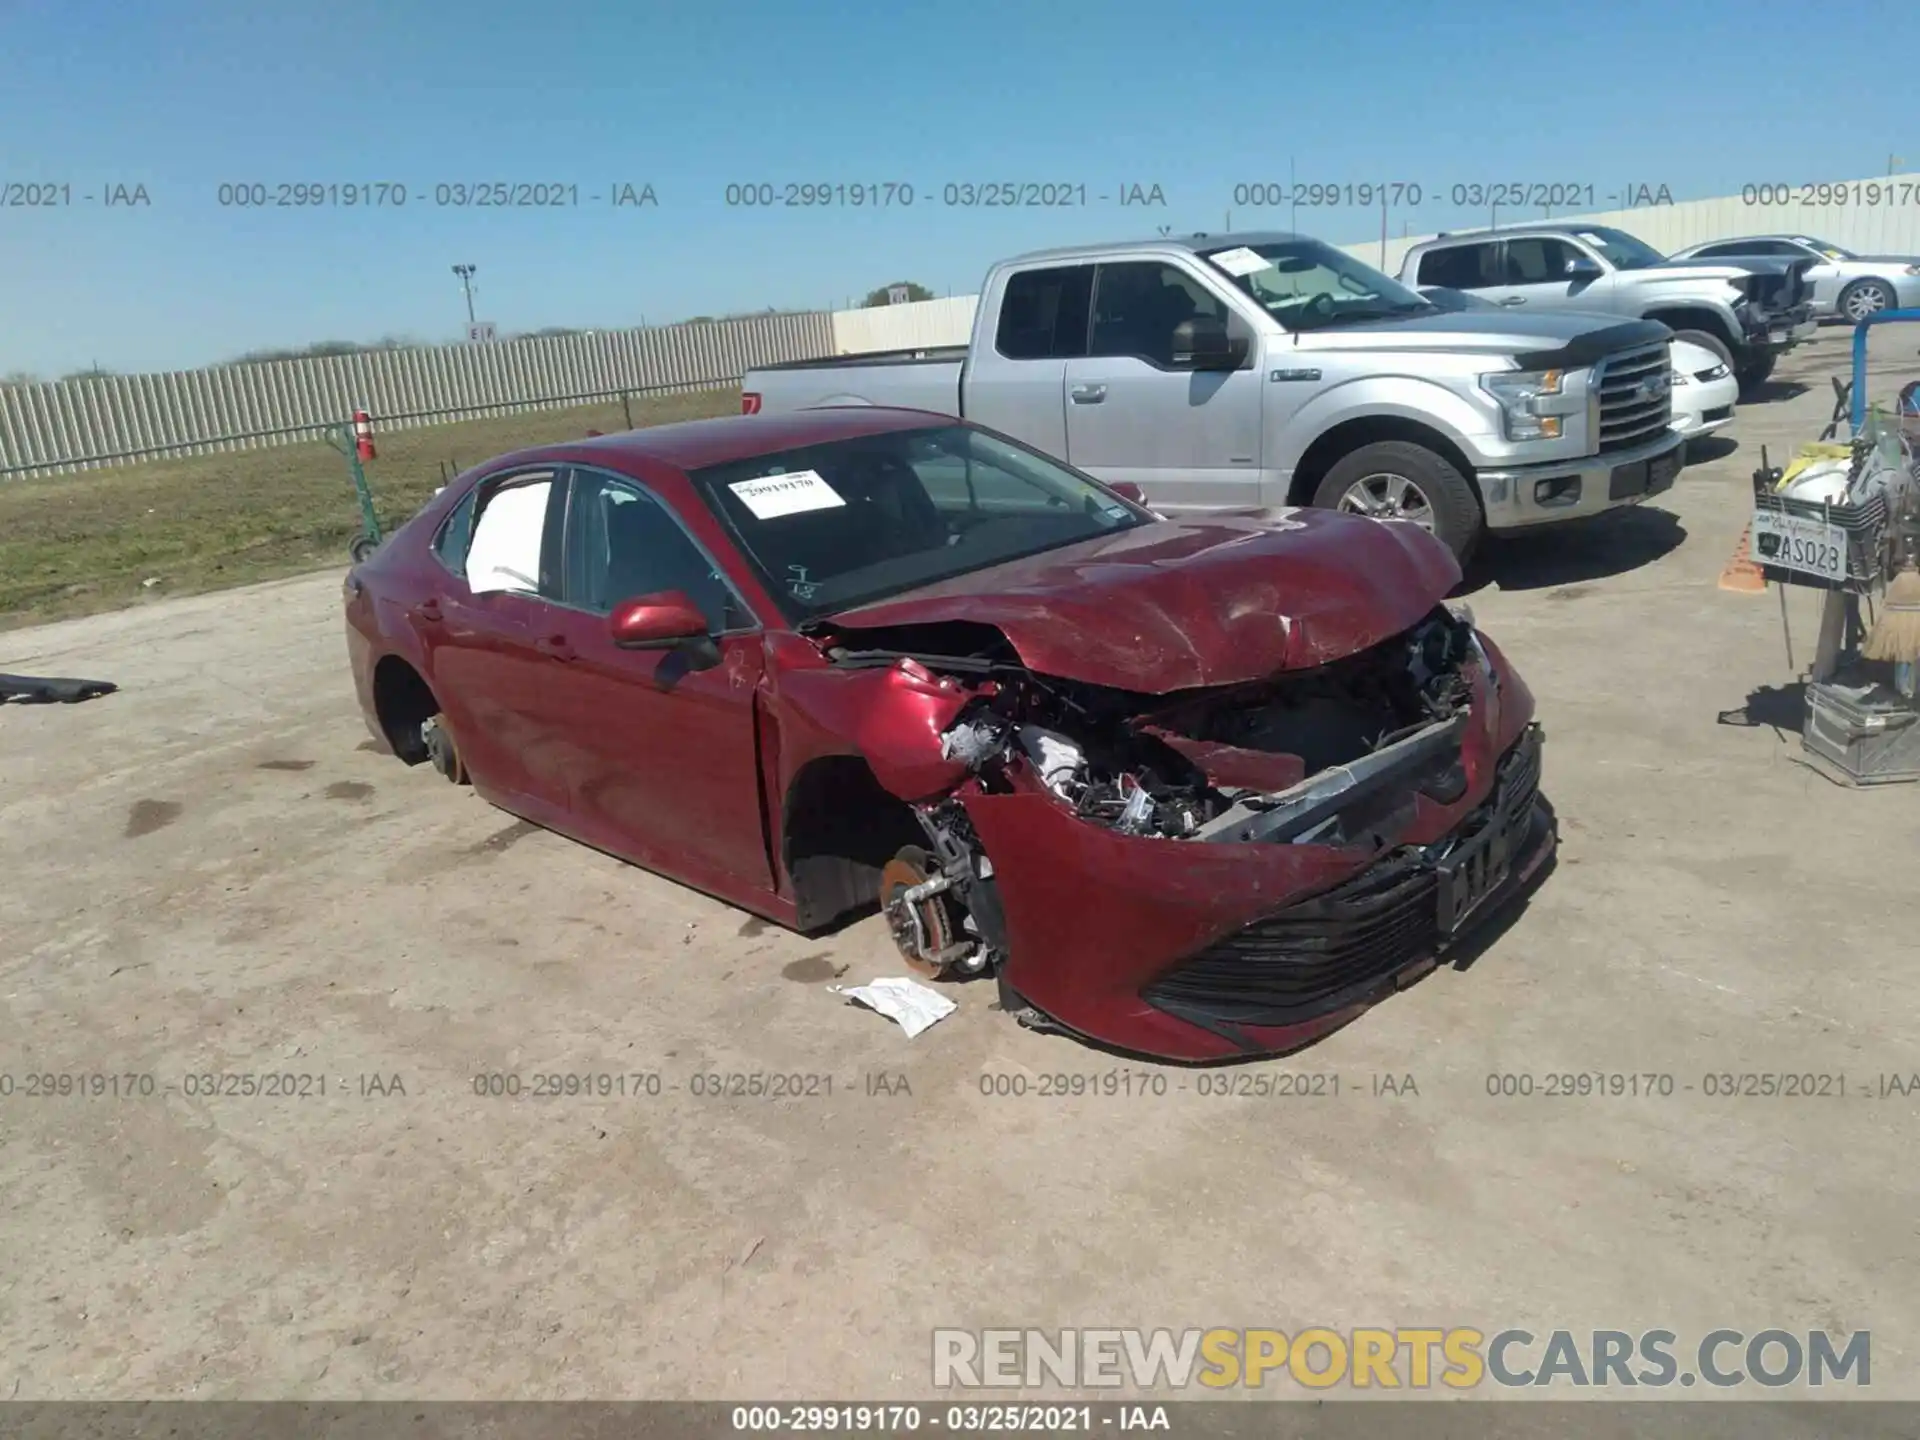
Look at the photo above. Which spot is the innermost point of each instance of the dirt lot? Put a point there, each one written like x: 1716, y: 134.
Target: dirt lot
x: 208, y: 872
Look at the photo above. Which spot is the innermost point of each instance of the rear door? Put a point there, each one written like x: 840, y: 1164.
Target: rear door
x: 1189, y: 439
x: 486, y: 632
x: 663, y: 761
x: 1015, y: 379
x: 1473, y: 267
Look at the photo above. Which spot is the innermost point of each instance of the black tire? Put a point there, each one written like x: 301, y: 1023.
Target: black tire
x: 1454, y: 512
x: 1754, y: 373
x: 1864, y: 294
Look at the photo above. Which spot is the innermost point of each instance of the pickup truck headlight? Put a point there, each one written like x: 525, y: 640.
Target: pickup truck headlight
x: 1533, y: 403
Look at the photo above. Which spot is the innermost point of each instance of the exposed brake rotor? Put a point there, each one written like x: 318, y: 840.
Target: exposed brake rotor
x: 922, y: 929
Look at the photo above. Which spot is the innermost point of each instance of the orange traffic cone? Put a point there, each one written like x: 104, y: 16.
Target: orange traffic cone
x: 1741, y: 575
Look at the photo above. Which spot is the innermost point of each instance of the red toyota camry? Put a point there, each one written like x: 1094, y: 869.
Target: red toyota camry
x: 1191, y: 788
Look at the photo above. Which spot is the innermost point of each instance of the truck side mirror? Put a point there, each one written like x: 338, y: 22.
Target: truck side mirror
x: 1208, y: 343
x: 1580, y: 269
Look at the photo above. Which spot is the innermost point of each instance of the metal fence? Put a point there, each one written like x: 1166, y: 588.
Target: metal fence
x: 68, y: 425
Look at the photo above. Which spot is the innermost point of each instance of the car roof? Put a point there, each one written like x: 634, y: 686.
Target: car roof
x: 1792, y: 238
x: 1195, y: 243
x: 695, y: 444
x: 1505, y: 232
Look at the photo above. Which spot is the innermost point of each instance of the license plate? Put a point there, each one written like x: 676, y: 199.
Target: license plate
x: 1800, y: 544
x: 1472, y: 873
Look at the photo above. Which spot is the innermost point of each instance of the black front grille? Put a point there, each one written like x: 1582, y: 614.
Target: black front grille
x: 1628, y: 414
x: 1323, y: 954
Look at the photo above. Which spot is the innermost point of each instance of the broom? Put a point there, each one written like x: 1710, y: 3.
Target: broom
x: 1896, y: 630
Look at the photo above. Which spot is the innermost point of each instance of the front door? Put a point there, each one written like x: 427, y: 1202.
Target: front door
x: 1533, y: 274
x: 664, y: 764
x: 1190, y: 440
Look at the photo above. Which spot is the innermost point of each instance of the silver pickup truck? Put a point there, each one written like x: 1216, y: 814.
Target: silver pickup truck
x: 1265, y: 370
x: 1749, y: 311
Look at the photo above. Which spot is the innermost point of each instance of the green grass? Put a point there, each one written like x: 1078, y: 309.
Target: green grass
x: 78, y: 544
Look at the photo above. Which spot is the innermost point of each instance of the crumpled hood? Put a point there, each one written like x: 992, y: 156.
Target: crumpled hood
x: 1178, y: 604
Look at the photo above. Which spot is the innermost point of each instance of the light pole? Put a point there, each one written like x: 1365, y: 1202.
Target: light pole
x: 465, y: 272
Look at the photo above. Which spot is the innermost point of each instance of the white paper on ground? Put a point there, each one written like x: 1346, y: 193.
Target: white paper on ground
x: 772, y: 496
x: 1241, y: 260
x: 908, y: 1001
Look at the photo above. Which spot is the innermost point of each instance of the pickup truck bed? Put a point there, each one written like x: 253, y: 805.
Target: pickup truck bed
x: 928, y: 379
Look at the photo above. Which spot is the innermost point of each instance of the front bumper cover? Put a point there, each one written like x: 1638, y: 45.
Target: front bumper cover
x: 1534, y: 494
x: 1307, y: 968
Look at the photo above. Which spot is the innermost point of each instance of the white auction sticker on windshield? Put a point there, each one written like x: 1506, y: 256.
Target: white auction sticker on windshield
x: 1242, y: 260
x: 772, y: 496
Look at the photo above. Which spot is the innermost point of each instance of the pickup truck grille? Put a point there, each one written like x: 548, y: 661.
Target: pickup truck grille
x: 1636, y: 396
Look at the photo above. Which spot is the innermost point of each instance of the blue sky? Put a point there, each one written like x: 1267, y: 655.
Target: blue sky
x: 180, y: 98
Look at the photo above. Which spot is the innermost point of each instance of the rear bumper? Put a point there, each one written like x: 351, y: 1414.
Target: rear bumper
x: 1570, y: 490
x: 1781, y: 330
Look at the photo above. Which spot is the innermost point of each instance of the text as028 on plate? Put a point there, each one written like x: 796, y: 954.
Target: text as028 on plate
x: 1797, y: 542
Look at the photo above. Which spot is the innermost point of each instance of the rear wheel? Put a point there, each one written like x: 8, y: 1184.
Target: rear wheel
x: 1399, y: 480
x: 1865, y: 297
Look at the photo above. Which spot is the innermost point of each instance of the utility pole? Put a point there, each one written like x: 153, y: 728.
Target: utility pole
x: 465, y: 272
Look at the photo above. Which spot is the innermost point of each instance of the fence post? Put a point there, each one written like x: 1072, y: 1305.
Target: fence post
x: 626, y: 409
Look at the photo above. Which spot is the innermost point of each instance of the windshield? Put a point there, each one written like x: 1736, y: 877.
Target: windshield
x: 852, y: 521
x: 1826, y: 248
x: 1306, y: 285
x: 1622, y: 251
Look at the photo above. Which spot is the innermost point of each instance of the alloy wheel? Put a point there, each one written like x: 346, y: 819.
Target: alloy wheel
x: 1387, y: 496
x: 1865, y: 301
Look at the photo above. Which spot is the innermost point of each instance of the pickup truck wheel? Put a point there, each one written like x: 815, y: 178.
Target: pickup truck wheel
x: 1755, y: 372
x: 1865, y: 297
x: 1399, y: 480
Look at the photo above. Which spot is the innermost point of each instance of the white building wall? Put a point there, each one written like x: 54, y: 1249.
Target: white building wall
x: 921, y: 324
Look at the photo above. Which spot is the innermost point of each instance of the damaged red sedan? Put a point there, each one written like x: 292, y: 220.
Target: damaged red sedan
x: 1189, y: 788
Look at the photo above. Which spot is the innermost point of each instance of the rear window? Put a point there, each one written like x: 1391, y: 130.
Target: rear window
x: 1460, y: 267
x: 1044, y: 314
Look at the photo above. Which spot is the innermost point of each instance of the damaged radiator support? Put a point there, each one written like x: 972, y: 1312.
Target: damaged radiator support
x: 1318, y: 804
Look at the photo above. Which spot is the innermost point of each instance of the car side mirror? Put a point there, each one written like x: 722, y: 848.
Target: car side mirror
x: 1583, y: 269
x: 1127, y: 490
x: 1208, y: 343
x: 660, y: 621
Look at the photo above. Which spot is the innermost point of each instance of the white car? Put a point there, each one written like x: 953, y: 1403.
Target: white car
x: 1704, y: 390
x: 1846, y: 286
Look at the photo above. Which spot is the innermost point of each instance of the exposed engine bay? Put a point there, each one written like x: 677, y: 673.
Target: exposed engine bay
x: 1328, y: 756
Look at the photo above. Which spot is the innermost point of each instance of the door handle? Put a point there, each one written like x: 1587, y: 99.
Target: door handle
x: 1514, y: 300
x: 555, y: 647
x: 428, y: 610
x: 1089, y: 394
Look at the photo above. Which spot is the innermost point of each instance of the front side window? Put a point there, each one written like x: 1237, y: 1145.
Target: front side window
x: 1539, y: 260
x: 622, y: 543
x: 852, y: 521
x: 1138, y: 305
